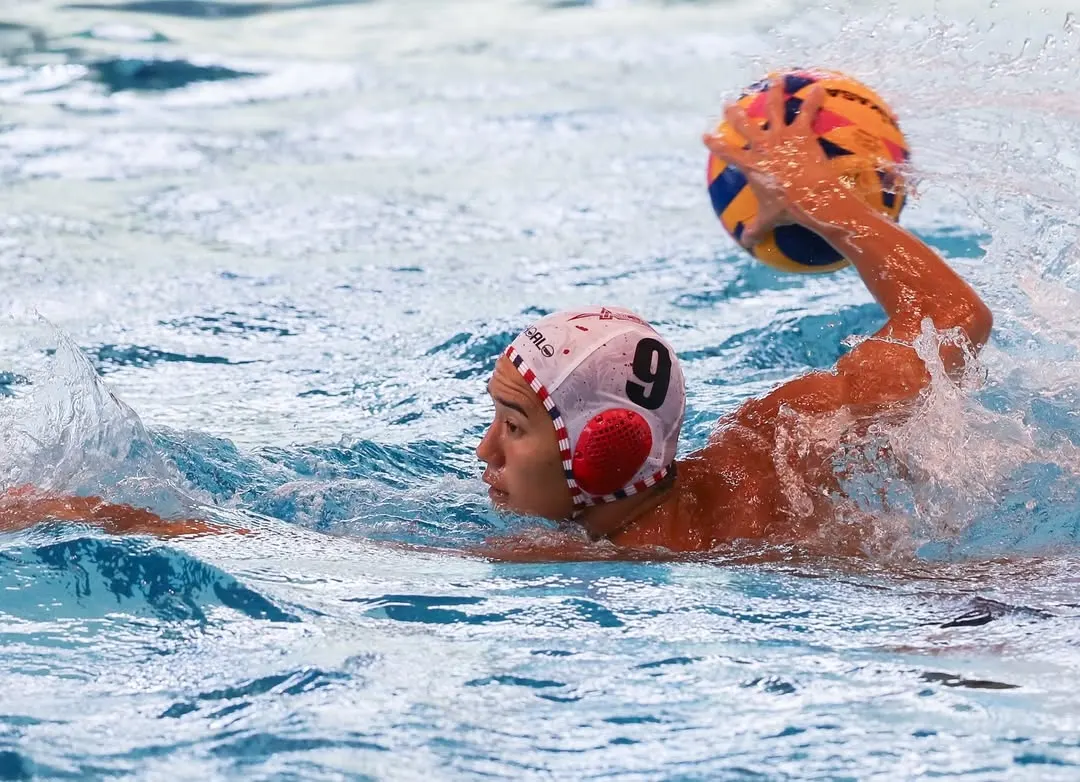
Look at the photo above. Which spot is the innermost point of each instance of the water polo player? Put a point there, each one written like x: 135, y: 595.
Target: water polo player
x: 589, y: 404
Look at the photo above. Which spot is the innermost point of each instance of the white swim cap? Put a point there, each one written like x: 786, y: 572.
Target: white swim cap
x: 615, y: 393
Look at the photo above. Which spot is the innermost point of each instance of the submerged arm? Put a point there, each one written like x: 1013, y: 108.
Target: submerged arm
x: 23, y: 508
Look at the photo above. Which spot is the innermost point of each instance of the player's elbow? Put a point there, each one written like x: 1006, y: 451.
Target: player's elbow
x: 977, y: 322
x: 970, y: 315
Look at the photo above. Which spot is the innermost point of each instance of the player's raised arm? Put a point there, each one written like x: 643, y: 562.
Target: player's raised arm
x: 791, y: 178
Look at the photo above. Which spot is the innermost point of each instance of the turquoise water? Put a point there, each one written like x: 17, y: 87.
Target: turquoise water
x: 257, y: 260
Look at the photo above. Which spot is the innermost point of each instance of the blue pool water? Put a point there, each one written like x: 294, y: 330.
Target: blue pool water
x: 257, y: 260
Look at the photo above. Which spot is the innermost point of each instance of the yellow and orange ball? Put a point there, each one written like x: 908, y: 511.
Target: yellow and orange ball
x: 858, y: 133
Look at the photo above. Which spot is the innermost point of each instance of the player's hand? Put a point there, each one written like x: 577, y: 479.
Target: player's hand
x: 784, y: 165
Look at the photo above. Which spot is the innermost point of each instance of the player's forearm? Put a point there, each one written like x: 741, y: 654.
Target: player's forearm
x: 24, y: 508
x: 907, y: 277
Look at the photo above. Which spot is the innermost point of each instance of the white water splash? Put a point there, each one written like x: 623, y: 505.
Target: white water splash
x: 65, y: 431
x: 948, y: 463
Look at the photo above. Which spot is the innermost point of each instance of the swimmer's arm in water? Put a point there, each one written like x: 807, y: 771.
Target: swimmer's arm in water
x: 793, y: 182
x: 23, y: 508
x: 535, y: 545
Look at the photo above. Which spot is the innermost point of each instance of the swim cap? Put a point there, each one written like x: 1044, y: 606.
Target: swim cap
x: 615, y: 393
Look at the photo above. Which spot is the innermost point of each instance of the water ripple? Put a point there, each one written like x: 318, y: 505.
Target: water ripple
x: 207, y: 9
x: 158, y: 75
x: 90, y: 576
x: 292, y: 683
x: 114, y: 356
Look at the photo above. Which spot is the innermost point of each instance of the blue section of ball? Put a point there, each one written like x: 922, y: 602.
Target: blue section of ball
x: 791, y: 109
x: 795, y: 82
x: 725, y: 187
x: 804, y: 247
x: 832, y: 150
x: 888, y: 188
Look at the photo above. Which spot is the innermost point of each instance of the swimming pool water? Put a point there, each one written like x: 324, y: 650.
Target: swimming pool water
x: 257, y: 260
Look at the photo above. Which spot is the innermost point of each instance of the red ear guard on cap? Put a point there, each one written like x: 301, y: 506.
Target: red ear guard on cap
x: 610, y: 450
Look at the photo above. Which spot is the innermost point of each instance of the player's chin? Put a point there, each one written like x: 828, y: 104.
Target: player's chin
x: 504, y: 502
x: 500, y: 500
